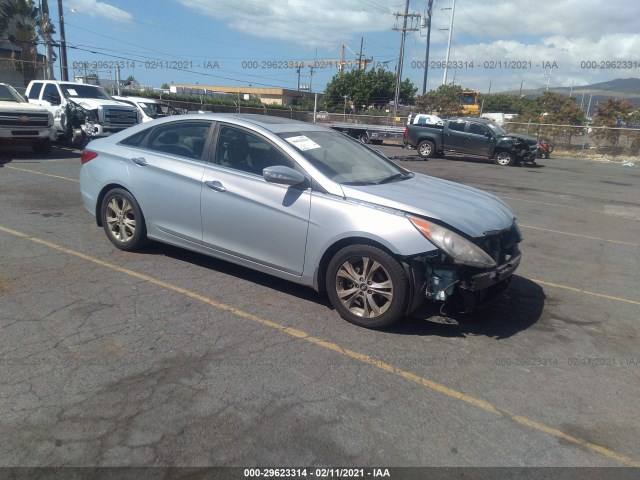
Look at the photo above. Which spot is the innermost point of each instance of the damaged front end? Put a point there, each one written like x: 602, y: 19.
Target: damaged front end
x: 464, y: 273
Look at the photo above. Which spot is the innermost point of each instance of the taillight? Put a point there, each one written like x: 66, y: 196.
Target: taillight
x: 87, y: 155
x: 406, y: 132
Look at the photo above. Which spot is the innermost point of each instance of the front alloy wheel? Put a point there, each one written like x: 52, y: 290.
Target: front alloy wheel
x: 367, y: 286
x: 505, y: 158
x: 122, y: 220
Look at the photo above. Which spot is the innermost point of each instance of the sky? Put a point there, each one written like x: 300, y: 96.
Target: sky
x: 496, y: 45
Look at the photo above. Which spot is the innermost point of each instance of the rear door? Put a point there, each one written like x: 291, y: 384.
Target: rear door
x: 455, y: 137
x: 166, y: 168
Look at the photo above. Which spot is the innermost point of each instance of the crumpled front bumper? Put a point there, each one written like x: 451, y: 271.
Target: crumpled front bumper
x: 464, y: 288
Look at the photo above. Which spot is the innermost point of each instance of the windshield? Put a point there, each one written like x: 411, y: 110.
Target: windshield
x: 344, y: 160
x: 74, y: 90
x: 468, y: 99
x: 497, y: 129
x: 8, y: 94
x: 153, y: 109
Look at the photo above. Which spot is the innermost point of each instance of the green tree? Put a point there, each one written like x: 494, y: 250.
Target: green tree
x: 365, y: 89
x: 607, y: 114
x: 445, y: 101
x: 505, y: 103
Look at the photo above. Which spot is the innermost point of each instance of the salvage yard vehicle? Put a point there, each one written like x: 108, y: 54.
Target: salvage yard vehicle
x: 148, y: 108
x: 304, y: 203
x: 375, y: 134
x: 24, y: 124
x: 472, y: 136
x: 81, y: 111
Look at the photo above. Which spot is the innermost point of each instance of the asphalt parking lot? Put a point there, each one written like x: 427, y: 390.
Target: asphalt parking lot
x: 169, y: 358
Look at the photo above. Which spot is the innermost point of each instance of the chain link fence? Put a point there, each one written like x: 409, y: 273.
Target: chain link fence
x: 585, y: 141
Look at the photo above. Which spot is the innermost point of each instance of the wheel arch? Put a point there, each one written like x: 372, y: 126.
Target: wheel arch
x: 106, y: 189
x: 323, y: 264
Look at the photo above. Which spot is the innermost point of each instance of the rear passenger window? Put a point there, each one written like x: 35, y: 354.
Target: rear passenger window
x: 34, y: 93
x: 185, y: 139
x: 136, y: 139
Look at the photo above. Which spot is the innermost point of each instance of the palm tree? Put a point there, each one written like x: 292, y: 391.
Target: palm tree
x: 21, y: 21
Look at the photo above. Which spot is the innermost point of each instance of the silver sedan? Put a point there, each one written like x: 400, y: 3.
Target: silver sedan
x: 303, y: 203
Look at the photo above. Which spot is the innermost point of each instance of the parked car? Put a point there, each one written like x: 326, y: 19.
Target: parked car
x: 472, y: 136
x: 24, y: 124
x: 148, y: 108
x: 304, y: 203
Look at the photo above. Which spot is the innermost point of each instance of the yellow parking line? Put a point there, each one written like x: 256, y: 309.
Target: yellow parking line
x: 579, y: 235
x: 41, y: 173
x: 360, y: 357
x: 586, y: 292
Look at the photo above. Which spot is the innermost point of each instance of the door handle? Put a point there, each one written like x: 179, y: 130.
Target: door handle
x: 140, y: 161
x: 215, y: 185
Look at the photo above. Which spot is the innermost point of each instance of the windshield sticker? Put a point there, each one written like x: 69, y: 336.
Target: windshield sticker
x: 302, y: 142
x: 72, y: 92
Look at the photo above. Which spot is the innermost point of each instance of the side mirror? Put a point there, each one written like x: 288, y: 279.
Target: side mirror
x: 283, y: 175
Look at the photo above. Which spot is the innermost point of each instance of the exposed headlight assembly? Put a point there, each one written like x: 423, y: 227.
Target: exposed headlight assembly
x: 461, y: 250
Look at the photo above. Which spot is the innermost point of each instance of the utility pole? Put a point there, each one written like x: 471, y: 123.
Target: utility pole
x: 426, y: 58
x: 298, y: 78
x: 548, y: 75
x: 64, y: 69
x: 403, y: 32
x: 360, y: 54
x: 453, y: 11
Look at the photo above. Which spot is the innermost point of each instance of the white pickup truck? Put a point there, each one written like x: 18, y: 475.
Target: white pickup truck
x: 24, y: 124
x: 81, y: 111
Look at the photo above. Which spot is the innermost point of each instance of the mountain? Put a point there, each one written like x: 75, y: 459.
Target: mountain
x: 621, y: 88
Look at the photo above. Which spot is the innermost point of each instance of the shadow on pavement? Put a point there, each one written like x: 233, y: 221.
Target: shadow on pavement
x: 515, y: 310
x: 518, y: 308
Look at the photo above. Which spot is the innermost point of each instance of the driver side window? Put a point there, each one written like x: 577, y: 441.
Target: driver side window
x: 246, y: 152
x: 477, y: 129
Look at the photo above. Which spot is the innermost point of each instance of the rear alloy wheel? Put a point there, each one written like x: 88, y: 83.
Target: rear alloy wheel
x: 426, y: 149
x: 367, y: 286
x: 505, y: 158
x: 363, y: 137
x: 123, y: 221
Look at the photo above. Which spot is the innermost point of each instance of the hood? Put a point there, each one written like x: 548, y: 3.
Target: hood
x: 93, y: 103
x: 464, y: 208
x: 21, y: 107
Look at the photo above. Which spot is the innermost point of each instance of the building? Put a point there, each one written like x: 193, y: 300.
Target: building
x: 268, y: 96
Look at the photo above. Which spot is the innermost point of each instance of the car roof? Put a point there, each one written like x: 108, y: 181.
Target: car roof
x: 271, y: 123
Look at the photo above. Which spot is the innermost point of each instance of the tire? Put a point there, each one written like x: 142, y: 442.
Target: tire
x: 43, y: 147
x: 123, y: 221
x: 367, y: 286
x: 504, y: 158
x: 426, y: 149
x: 363, y: 137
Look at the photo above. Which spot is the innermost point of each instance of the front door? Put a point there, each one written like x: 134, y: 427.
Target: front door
x: 247, y: 217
